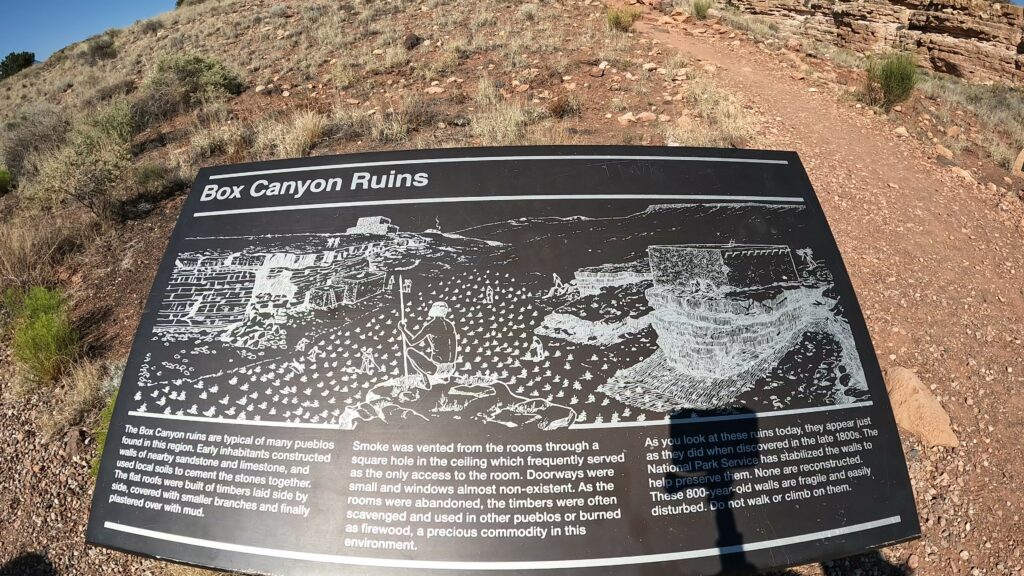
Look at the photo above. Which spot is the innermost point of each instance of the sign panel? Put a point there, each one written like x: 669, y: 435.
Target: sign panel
x: 559, y: 359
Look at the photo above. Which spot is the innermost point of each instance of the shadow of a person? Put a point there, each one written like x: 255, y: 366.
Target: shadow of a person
x: 867, y: 563
x: 28, y: 564
x: 701, y: 440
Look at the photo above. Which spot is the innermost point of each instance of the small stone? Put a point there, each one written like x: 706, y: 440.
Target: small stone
x: 522, y: 88
x: 626, y: 118
x: 647, y: 116
x: 793, y: 44
x: 812, y: 89
x: 603, y: 64
x: 411, y: 41
x: 649, y: 66
x: 954, y: 131
x: 965, y: 555
x: 260, y: 89
x: 351, y: 101
x: 378, y: 51
x: 664, y: 117
x: 897, y: 108
x: 1007, y: 180
x: 894, y: 186
x: 434, y: 90
x: 943, y: 152
x: 286, y: 93
x: 596, y: 72
x: 913, y: 562
x: 901, y: 132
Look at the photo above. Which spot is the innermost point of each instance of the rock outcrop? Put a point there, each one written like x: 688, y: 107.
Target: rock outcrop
x: 973, y: 39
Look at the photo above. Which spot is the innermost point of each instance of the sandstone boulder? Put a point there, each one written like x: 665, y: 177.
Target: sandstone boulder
x: 918, y: 411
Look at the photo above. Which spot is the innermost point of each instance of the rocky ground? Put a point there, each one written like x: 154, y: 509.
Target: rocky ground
x: 933, y: 245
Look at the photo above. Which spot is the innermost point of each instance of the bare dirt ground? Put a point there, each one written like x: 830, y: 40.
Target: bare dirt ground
x: 938, y: 267
x: 936, y: 259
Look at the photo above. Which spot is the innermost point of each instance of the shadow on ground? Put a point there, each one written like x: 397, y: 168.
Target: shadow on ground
x: 30, y: 564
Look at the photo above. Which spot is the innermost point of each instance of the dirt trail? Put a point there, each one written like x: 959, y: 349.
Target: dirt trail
x: 939, y: 270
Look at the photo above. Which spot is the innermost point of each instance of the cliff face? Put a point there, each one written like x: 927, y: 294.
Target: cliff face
x: 973, y: 39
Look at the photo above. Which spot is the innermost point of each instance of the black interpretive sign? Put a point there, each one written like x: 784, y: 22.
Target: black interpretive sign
x: 563, y: 360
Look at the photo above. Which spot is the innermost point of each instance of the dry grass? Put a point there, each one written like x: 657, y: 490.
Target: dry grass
x: 622, y: 19
x: 291, y: 137
x: 502, y: 124
x: 719, y: 120
x: 30, y: 248
x: 82, y: 392
x: 998, y: 109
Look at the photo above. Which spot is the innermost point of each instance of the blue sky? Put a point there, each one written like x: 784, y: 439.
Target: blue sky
x: 44, y: 26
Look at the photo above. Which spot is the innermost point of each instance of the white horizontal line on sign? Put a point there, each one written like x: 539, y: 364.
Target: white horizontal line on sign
x: 233, y: 422
x: 513, y: 565
x: 724, y: 417
x: 770, y: 200
x: 660, y: 422
x: 493, y: 159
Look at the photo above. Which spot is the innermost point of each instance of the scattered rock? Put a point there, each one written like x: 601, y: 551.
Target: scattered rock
x: 793, y: 44
x: 917, y: 411
x: 411, y: 41
x: 434, y: 90
x: 913, y: 562
x: 649, y: 66
x: 596, y: 72
x: 1018, y: 165
x: 664, y: 117
x: 953, y: 131
x: 963, y: 174
x: 901, y: 132
x: 286, y: 93
x: 626, y: 118
x: 74, y: 442
x: 260, y: 89
x: 943, y: 152
x: 647, y: 116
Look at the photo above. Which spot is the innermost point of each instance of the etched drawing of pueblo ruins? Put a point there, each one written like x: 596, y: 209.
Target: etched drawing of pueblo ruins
x: 380, y: 325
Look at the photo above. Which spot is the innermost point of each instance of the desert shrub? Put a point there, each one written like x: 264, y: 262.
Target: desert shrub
x: 622, y: 19
x: 186, y: 3
x: 180, y: 83
x: 233, y: 140
x: 528, y: 12
x: 110, y: 91
x: 151, y: 26
x: 700, y: 8
x: 34, y: 131
x: 890, y: 79
x: 44, y: 343
x: 565, y: 106
x: 30, y: 249
x: 5, y: 181
x: 99, y: 48
x: 88, y: 167
x: 15, y: 62
x: 82, y: 392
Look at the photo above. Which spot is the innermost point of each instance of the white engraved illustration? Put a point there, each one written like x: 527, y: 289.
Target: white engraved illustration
x: 378, y: 325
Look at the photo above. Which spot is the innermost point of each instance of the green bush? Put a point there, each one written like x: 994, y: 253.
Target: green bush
x: 890, y: 80
x: 622, y: 19
x: 15, y: 62
x: 700, y: 8
x: 5, y: 181
x: 44, y: 343
x: 181, y: 83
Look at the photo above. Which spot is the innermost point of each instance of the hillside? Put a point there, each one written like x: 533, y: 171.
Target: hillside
x: 105, y: 137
